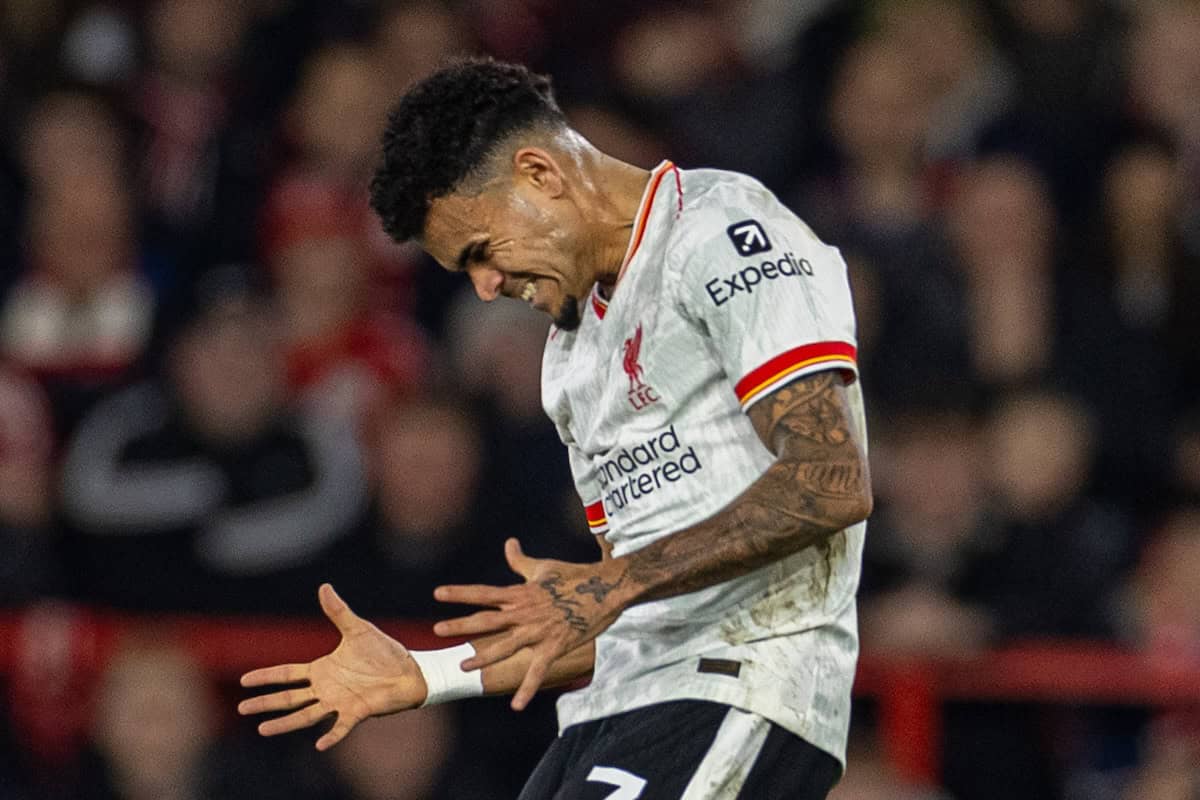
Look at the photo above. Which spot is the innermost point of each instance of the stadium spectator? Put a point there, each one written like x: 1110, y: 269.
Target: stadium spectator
x: 956, y: 560
x: 401, y: 757
x: 155, y: 718
x: 156, y: 733
x: 614, y: 132
x: 68, y: 135
x: 431, y: 755
x: 1065, y: 119
x: 1163, y: 67
x: 331, y: 129
x: 874, y: 196
x: 699, y: 73
x: 27, y: 565
x: 495, y: 355
x: 1169, y: 770
x: 205, y: 490
x: 81, y: 315
x: 334, y: 116
x: 986, y: 535
x: 1059, y: 553
x: 345, y: 358
x: 81, y: 307
x: 932, y: 525
x: 426, y: 468
x: 1163, y: 612
x: 202, y: 154
x: 1152, y: 285
x: 1048, y: 566
x: 411, y: 38
x: 1003, y: 228
x: 1034, y: 311
x: 967, y: 81
x: 343, y: 288
x: 870, y: 777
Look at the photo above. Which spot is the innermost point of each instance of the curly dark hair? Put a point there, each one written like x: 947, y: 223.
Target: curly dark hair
x: 444, y: 128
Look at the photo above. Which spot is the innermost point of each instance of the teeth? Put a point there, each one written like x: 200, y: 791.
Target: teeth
x: 528, y: 292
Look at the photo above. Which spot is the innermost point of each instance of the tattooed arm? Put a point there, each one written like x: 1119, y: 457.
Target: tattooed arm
x: 817, y: 486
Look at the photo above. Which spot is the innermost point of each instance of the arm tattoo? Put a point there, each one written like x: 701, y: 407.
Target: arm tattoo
x: 552, y: 584
x: 817, y: 486
x: 597, y: 588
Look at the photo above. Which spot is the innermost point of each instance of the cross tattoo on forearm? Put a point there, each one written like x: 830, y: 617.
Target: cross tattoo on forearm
x: 597, y: 588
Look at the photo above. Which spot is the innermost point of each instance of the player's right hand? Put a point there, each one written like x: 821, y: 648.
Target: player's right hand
x: 368, y: 674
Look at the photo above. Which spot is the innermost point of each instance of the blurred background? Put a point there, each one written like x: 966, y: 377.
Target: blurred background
x: 220, y: 384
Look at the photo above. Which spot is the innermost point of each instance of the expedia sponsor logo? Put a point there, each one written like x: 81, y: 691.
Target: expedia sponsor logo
x: 748, y: 237
x: 744, y: 281
x: 632, y: 473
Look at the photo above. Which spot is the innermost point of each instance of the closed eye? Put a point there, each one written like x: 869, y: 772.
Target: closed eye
x: 473, y: 253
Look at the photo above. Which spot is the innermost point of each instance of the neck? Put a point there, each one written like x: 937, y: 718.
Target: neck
x: 614, y: 192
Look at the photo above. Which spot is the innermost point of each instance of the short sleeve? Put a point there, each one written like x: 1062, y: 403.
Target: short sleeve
x: 771, y: 297
x: 588, y: 488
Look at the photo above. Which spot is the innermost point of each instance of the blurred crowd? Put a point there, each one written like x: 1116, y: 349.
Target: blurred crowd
x: 220, y: 383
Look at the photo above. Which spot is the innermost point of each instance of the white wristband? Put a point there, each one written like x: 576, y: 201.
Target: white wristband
x: 444, y: 678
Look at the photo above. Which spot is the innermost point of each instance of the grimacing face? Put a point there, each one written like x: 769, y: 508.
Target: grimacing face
x: 520, y: 237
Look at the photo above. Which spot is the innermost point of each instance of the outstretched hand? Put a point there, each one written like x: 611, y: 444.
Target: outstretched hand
x: 559, y: 607
x: 367, y: 674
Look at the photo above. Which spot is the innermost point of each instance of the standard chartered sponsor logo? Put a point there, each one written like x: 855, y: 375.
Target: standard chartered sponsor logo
x: 634, y: 472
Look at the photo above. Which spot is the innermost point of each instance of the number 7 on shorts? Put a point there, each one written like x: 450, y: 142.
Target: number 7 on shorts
x: 629, y: 786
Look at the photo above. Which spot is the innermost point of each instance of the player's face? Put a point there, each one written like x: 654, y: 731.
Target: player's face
x: 513, y: 241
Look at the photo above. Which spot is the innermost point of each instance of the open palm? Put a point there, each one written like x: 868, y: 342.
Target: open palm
x: 368, y: 674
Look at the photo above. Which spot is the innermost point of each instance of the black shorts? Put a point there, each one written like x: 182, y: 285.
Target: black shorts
x: 684, y: 750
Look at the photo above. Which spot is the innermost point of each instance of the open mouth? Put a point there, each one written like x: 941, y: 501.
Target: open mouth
x: 528, y: 292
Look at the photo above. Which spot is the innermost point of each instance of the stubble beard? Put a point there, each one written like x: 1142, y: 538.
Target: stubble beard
x: 568, y: 318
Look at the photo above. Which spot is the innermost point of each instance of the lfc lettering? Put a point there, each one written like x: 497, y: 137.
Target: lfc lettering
x: 640, y: 395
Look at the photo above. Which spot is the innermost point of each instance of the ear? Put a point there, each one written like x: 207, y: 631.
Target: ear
x: 538, y: 168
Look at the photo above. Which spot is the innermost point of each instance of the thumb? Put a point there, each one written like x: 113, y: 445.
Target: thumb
x: 518, y: 562
x: 336, y: 609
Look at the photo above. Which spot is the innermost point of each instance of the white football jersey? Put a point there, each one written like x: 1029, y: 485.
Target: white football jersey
x: 724, y: 296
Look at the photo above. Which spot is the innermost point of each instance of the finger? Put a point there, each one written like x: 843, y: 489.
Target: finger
x: 498, y: 649
x: 534, y: 677
x: 479, y: 622
x: 475, y: 595
x: 309, y: 715
x: 345, y: 723
x: 283, y: 673
x: 278, y: 701
x: 518, y: 562
x: 336, y: 609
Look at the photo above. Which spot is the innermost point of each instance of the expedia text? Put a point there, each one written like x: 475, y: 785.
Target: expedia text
x: 721, y: 290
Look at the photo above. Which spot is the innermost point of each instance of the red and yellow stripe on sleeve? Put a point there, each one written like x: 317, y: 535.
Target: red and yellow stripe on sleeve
x: 761, y: 380
x: 596, y: 518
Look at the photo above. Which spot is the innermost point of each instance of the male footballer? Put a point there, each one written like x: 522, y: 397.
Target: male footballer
x: 701, y: 372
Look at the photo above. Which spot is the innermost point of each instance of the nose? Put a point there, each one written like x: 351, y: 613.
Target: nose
x: 487, y: 282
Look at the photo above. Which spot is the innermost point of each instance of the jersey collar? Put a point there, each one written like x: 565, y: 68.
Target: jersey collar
x: 599, y: 304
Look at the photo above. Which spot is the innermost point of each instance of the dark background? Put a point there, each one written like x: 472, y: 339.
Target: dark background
x: 221, y: 385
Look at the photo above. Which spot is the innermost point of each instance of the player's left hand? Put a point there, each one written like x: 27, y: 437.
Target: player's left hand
x: 559, y: 607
